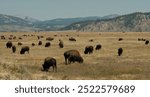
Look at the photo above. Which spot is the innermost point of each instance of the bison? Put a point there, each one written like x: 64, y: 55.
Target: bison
x: 9, y: 44
x: 33, y: 44
x: 61, y: 44
x: 24, y: 49
x: 49, y: 38
x: 72, y: 39
x: 19, y: 43
x: 20, y: 38
x: 88, y: 50
x: 13, y: 48
x: 49, y: 62
x: 3, y: 37
x: 72, y: 56
x: 120, y: 39
x: 47, y: 44
x: 40, y: 43
x: 120, y: 51
x: 91, y: 40
x: 98, y: 46
x: 146, y: 42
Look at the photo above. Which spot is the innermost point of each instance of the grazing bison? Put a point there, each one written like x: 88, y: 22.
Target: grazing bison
x: 61, y: 44
x: 91, y: 40
x: 20, y: 38
x: 146, y: 42
x: 19, y: 43
x: 55, y: 35
x: 9, y: 44
x: 120, y: 51
x: 72, y: 56
x: 120, y: 39
x: 48, y: 44
x: 10, y: 38
x: 72, y: 39
x: 13, y: 49
x: 3, y: 37
x: 33, y: 44
x: 98, y: 46
x: 24, y: 49
x: 49, y: 38
x: 88, y: 50
x: 14, y: 37
x: 40, y: 43
x: 50, y: 62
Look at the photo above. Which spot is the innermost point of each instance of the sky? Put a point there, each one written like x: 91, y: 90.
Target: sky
x: 51, y: 9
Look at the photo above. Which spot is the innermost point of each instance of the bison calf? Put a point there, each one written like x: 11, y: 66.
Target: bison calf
x: 120, y: 51
x: 49, y: 62
x: 24, y: 49
x: 72, y: 56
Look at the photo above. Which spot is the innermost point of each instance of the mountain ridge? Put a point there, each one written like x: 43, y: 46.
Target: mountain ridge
x: 134, y: 22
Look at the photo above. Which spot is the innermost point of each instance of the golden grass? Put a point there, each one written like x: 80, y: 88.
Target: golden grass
x: 102, y: 64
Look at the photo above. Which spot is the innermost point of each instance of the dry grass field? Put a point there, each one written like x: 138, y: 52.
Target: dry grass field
x: 102, y: 64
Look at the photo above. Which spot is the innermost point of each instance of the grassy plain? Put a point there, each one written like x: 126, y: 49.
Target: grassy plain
x: 102, y: 64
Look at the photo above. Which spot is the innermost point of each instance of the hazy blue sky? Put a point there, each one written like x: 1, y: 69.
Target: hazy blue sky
x: 50, y: 9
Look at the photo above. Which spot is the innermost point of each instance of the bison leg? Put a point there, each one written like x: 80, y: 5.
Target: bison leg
x: 66, y: 61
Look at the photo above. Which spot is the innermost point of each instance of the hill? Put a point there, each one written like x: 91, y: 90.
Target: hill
x: 135, y: 22
x: 13, y: 24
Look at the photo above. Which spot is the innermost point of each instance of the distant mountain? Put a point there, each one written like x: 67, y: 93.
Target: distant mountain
x: 56, y: 24
x: 80, y: 24
x: 31, y: 20
x: 135, y: 22
x: 12, y: 23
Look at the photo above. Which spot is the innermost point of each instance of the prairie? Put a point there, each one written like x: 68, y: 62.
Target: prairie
x: 103, y: 64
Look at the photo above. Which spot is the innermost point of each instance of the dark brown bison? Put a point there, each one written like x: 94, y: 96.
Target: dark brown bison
x: 49, y: 38
x: 13, y: 48
x: 11, y: 35
x: 3, y: 37
x: 48, y: 44
x: 38, y: 37
x: 49, y: 62
x: 72, y: 56
x: 19, y: 43
x: 55, y: 35
x: 146, y: 42
x: 9, y: 44
x: 33, y: 44
x: 72, y: 39
x: 91, y: 40
x: 24, y: 49
x: 120, y: 39
x: 88, y: 50
x: 14, y: 37
x: 61, y: 44
x: 10, y: 38
x: 120, y: 51
x: 40, y: 43
x: 98, y: 46
x: 20, y: 38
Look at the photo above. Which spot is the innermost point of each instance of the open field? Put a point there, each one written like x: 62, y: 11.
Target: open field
x: 102, y: 64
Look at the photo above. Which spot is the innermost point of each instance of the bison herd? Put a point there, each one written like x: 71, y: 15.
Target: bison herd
x: 70, y: 56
